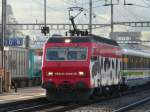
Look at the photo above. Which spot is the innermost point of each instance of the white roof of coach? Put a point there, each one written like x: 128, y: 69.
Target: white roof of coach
x: 141, y: 53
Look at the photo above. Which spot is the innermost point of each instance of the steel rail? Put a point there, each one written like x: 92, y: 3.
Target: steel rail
x: 59, y: 106
x: 36, y: 107
x: 127, y: 107
x: 20, y: 104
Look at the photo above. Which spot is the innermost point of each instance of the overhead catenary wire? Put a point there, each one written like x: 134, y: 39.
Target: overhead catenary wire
x: 136, y: 16
x: 97, y: 4
x: 127, y: 15
x: 48, y: 6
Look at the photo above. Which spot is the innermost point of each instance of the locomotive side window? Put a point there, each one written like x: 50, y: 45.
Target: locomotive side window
x: 102, y: 63
x: 106, y: 64
x: 113, y: 64
x: 116, y: 67
x: 109, y: 62
x: 57, y: 54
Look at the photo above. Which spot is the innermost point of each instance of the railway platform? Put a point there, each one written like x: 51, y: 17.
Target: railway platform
x: 21, y: 94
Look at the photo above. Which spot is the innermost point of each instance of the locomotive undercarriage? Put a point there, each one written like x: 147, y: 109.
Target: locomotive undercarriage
x: 72, y: 93
x: 67, y: 92
x: 68, y: 95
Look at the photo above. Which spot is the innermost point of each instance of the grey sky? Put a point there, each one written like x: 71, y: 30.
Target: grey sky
x: 29, y: 10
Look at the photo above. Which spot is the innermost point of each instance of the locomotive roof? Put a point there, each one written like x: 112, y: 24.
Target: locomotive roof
x: 90, y: 38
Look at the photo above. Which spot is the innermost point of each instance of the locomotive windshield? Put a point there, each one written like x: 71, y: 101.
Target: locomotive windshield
x: 66, y: 54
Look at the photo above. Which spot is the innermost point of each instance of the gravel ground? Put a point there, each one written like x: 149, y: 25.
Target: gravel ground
x: 113, y: 104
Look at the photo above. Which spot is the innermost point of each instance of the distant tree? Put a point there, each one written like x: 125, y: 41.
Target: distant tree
x: 11, y: 30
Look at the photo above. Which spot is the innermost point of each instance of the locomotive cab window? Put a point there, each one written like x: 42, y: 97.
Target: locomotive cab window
x: 64, y: 54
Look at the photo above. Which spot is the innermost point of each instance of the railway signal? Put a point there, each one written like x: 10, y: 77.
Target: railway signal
x: 45, y: 30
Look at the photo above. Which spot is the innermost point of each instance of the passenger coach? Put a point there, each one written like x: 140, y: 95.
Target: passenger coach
x: 135, y: 66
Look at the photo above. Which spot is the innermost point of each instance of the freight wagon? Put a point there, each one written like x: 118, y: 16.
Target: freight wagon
x: 17, y: 63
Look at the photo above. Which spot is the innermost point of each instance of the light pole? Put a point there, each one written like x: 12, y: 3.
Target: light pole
x: 45, y: 13
x: 111, y: 4
x: 90, y: 17
x: 45, y: 29
x: 112, y: 17
x: 4, y: 4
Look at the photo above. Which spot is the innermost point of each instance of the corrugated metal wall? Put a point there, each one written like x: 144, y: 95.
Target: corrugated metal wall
x: 16, y: 61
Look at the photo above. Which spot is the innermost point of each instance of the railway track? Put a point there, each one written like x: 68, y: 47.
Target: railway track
x: 71, y: 106
x: 119, y: 104
x: 22, y: 104
x: 35, y: 108
x: 42, y: 105
x: 132, y: 105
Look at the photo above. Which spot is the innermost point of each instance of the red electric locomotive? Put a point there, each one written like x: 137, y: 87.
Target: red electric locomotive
x: 74, y: 67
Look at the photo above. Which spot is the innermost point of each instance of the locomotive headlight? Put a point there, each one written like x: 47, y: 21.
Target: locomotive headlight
x: 67, y: 40
x: 50, y: 74
x: 81, y: 73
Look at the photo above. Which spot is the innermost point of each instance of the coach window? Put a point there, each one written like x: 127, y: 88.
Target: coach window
x: 146, y: 63
x: 129, y: 62
x: 120, y: 65
x: 124, y: 63
x: 141, y: 62
x: 136, y: 62
x: 149, y: 63
x: 132, y: 62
